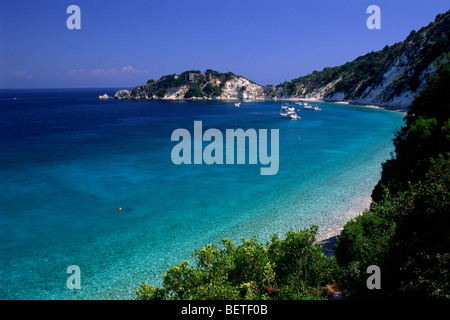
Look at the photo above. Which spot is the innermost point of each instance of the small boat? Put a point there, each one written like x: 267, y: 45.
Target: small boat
x: 289, y: 112
x: 237, y: 104
x: 311, y: 107
x: 286, y: 110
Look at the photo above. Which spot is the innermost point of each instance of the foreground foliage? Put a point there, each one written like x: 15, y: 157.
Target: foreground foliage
x: 406, y: 232
x: 292, y: 268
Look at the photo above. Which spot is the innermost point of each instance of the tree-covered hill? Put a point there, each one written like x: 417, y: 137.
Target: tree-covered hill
x: 385, y: 76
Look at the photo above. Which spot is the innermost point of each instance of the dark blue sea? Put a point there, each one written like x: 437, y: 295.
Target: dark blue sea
x: 91, y: 183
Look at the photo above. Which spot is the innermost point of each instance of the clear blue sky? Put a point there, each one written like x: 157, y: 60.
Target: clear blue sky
x: 124, y: 43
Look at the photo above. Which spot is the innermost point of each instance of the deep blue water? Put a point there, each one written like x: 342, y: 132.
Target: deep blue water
x: 69, y: 161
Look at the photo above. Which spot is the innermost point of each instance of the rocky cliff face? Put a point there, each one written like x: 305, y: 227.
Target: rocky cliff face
x: 196, y: 85
x: 391, y: 77
x: 242, y: 88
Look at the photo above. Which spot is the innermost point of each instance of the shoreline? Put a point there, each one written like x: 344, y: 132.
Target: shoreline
x: 330, y: 239
x: 385, y: 107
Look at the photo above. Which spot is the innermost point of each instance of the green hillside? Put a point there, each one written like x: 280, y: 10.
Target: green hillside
x: 353, y: 78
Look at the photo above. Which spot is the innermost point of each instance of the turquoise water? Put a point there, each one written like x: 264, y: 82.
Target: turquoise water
x: 70, y: 161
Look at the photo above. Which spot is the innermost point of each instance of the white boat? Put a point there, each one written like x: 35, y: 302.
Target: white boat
x: 237, y: 104
x: 311, y: 107
x: 286, y: 110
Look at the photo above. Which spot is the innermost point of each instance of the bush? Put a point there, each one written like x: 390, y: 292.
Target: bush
x: 217, y: 91
x: 212, y: 72
x: 291, y: 88
x: 208, y: 89
x: 194, y: 91
x: 293, y: 268
x: 161, y: 93
x: 170, y: 81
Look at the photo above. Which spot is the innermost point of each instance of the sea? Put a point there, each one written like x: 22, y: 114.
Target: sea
x: 90, y: 182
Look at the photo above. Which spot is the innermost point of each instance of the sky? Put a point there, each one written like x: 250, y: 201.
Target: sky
x: 122, y: 44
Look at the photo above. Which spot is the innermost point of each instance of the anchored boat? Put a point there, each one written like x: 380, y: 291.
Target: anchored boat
x: 286, y: 110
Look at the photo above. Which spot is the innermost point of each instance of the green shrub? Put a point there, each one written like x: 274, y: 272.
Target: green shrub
x: 217, y: 91
x: 208, y: 89
x: 161, y: 93
x: 291, y: 88
x: 293, y: 268
x: 194, y: 91
x: 170, y: 81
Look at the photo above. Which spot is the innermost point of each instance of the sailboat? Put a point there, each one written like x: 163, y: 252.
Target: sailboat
x: 286, y: 110
x: 311, y: 107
